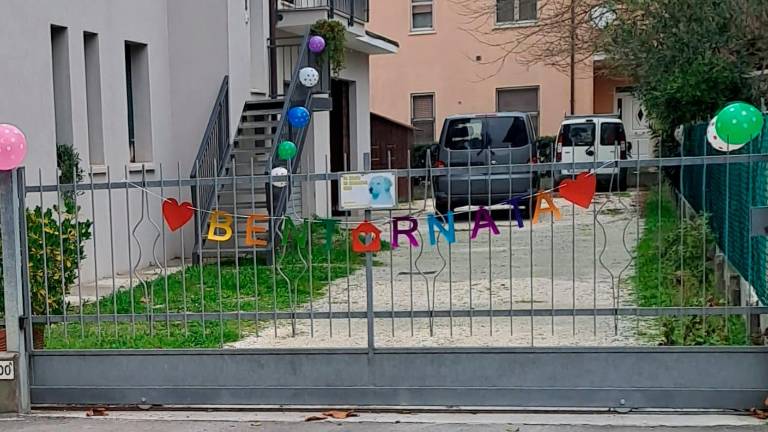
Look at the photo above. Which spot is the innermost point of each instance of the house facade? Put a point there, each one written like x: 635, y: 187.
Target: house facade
x: 442, y: 69
x: 132, y: 85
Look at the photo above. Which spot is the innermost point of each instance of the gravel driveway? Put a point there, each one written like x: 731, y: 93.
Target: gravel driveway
x: 490, y: 272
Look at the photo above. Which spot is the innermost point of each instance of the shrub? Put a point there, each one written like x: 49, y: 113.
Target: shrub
x: 53, y: 268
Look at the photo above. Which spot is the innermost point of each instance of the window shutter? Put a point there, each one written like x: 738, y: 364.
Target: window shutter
x: 524, y: 100
x: 505, y: 11
x: 423, y: 107
x: 528, y: 10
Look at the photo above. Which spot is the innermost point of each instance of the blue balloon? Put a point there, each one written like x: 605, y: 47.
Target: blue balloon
x: 298, y: 116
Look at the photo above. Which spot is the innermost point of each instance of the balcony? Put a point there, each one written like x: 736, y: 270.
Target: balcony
x: 354, y: 10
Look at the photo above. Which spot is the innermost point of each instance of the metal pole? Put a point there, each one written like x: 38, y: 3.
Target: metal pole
x: 273, y: 18
x: 369, y: 274
x: 13, y: 263
x: 573, y: 58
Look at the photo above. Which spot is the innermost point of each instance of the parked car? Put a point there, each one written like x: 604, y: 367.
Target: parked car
x: 594, y: 138
x: 490, y: 143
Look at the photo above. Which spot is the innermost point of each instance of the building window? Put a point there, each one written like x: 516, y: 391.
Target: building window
x: 62, y: 88
x: 138, y: 101
x: 422, y: 16
x: 93, y: 98
x: 521, y: 99
x: 511, y: 11
x: 423, y: 117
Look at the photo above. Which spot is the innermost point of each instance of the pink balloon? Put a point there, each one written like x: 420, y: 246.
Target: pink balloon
x: 13, y: 147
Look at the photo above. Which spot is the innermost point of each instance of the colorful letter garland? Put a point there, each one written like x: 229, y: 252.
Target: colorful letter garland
x: 366, y: 237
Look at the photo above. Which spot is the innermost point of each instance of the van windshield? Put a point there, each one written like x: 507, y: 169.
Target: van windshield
x: 578, y: 135
x: 493, y: 132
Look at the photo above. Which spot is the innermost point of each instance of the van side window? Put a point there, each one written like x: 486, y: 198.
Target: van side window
x: 507, y: 132
x: 465, y: 134
x: 612, y: 133
x: 579, y: 135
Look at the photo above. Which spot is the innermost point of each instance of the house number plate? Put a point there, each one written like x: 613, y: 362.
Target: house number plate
x: 6, y: 370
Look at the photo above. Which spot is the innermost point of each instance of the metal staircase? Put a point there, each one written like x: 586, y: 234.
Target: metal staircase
x: 253, y: 152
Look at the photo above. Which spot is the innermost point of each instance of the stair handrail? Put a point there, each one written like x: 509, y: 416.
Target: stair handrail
x: 297, y: 95
x: 212, y: 157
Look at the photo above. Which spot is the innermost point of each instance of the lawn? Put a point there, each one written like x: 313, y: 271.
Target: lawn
x: 674, y: 269
x: 244, y: 286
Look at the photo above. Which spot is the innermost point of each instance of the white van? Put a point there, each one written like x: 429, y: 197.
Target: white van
x: 594, y: 138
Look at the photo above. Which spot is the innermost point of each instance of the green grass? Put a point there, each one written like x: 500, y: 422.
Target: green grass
x: 674, y: 269
x: 248, y: 288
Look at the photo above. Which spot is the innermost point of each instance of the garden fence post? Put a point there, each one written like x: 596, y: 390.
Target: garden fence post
x: 11, y: 209
x: 369, y: 274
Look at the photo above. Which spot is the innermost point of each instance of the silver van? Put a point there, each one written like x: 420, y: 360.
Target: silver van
x: 490, y: 143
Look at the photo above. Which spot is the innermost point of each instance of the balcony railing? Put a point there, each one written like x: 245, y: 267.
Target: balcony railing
x: 354, y: 9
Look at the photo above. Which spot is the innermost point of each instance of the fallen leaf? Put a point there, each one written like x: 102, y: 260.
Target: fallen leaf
x: 96, y: 412
x: 315, y: 418
x: 760, y: 414
x: 340, y: 415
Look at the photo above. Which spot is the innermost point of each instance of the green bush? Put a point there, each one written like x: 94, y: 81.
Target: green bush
x: 674, y: 269
x: 53, y: 256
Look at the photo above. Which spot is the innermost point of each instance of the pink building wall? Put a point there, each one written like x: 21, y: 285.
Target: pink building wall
x: 442, y: 62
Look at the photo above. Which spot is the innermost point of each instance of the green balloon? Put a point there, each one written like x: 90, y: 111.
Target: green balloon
x: 739, y: 123
x: 286, y: 150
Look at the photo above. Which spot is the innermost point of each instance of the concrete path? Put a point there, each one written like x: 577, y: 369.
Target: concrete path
x: 293, y: 422
x: 574, y: 263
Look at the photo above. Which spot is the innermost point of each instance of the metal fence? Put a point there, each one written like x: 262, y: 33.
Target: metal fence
x: 728, y: 192
x: 591, y: 292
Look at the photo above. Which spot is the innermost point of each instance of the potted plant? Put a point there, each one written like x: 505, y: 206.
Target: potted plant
x: 335, y: 35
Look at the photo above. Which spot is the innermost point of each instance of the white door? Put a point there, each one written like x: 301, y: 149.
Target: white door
x: 636, y: 124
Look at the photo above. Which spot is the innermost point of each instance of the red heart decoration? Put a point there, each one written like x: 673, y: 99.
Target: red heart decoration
x: 580, y: 190
x: 177, y: 215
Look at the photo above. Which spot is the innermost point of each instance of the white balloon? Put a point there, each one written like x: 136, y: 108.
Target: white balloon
x: 279, y: 172
x: 309, y: 77
x: 716, y: 142
x: 680, y: 134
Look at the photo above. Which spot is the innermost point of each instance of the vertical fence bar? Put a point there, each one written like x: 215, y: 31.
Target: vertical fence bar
x: 45, y: 254
x: 369, y: 275
x: 12, y: 210
x: 112, y: 250
x: 95, y: 257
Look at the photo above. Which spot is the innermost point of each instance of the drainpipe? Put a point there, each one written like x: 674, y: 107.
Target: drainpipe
x: 272, y: 49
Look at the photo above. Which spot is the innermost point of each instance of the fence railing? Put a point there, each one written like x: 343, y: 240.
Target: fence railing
x: 615, y: 273
x: 354, y: 9
x: 213, y: 155
x: 727, y: 193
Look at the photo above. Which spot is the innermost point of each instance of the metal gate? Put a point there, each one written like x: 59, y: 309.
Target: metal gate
x: 630, y: 302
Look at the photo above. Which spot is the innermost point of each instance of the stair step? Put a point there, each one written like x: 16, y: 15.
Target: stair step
x: 259, y: 124
x: 264, y: 111
x: 255, y: 137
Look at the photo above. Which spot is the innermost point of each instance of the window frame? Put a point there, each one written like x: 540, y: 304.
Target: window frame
x: 535, y: 115
x: 433, y: 119
x: 516, y: 20
x: 412, y: 5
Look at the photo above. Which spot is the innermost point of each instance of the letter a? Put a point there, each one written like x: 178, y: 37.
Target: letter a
x: 551, y: 207
x: 483, y: 219
x: 449, y: 233
x: 220, y: 220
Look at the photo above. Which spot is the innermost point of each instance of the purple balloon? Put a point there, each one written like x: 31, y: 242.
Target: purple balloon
x: 316, y: 44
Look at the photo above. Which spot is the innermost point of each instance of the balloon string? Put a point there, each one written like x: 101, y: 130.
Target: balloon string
x: 375, y: 221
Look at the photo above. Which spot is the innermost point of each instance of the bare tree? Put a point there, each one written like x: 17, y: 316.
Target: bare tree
x: 564, y: 34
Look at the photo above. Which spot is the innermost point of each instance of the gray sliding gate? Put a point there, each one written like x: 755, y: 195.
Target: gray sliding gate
x: 588, y: 310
